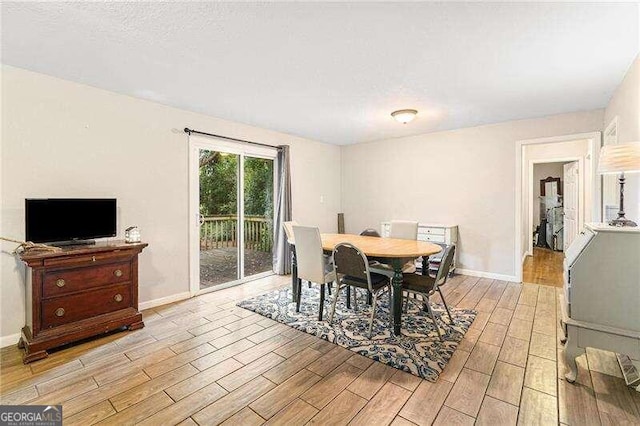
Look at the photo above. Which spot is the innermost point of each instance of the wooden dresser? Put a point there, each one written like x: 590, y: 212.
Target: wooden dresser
x: 79, y: 292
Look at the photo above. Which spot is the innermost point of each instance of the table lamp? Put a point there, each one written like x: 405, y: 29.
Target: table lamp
x: 620, y: 159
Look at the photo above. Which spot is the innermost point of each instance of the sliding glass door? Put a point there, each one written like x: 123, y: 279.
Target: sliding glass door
x: 258, y: 215
x: 233, y: 211
x: 218, y: 218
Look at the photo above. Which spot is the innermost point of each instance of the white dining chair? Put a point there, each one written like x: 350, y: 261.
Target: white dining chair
x: 288, y: 230
x: 312, y: 264
x: 402, y: 230
x: 405, y: 230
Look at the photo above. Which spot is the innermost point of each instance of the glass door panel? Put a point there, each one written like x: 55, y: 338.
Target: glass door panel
x: 219, y: 225
x: 258, y: 215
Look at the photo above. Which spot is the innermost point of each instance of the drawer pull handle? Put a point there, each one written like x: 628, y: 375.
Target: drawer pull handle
x: 60, y: 282
x: 60, y: 312
x: 117, y: 273
x: 117, y: 297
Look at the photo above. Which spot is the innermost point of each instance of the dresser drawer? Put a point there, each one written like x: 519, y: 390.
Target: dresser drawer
x: 431, y: 238
x: 431, y: 231
x: 57, y: 283
x: 66, y: 309
x: 86, y: 259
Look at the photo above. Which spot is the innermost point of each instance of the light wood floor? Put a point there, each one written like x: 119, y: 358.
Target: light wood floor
x: 544, y: 267
x: 206, y: 361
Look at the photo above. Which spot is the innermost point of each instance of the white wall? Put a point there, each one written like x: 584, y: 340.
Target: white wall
x: 464, y: 176
x: 625, y: 104
x: 543, y: 171
x: 62, y: 139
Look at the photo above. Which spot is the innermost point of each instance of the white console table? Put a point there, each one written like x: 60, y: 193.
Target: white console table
x: 433, y: 233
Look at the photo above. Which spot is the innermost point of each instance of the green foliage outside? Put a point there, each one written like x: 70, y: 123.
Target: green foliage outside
x: 219, y: 191
x: 258, y: 187
x: 218, y: 187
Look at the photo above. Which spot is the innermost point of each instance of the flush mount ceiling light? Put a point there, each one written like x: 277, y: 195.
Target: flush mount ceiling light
x: 404, y: 115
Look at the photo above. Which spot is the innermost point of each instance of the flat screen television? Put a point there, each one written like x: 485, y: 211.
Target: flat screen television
x: 69, y: 220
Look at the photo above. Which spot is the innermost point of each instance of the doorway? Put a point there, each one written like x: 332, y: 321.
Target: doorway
x: 555, y: 205
x: 582, y: 151
x: 232, y: 189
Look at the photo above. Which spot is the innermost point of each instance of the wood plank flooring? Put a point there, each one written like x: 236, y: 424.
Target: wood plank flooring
x: 205, y: 361
x: 544, y: 267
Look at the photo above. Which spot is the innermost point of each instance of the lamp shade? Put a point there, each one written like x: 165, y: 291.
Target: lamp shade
x: 619, y: 158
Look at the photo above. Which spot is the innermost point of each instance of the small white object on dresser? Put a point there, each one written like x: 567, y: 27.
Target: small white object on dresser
x: 432, y: 232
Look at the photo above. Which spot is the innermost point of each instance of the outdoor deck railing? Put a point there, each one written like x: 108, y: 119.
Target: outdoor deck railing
x: 222, y: 231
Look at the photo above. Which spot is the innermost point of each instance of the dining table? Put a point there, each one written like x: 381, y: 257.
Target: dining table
x: 390, y: 251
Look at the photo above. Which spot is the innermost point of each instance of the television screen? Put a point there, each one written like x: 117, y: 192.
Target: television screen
x: 67, y: 219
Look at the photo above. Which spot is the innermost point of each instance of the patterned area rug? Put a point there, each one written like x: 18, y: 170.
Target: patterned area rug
x: 418, y: 350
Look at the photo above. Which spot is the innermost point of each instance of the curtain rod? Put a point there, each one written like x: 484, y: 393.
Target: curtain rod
x: 189, y: 131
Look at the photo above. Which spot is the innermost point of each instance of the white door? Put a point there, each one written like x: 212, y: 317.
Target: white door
x: 571, y: 199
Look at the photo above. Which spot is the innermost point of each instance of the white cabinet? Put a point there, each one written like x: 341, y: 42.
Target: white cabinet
x: 432, y: 232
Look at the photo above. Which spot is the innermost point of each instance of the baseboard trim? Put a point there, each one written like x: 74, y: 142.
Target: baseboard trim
x: 482, y: 274
x: 524, y: 256
x: 164, y: 300
x: 11, y: 339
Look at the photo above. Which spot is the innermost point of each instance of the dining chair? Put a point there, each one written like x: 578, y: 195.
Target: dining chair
x: 288, y: 230
x: 431, y: 264
x: 352, y: 270
x: 402, y: 230
x: 311, y: 262
x: 369, y: 232
x: 426, y: 286
x: 405, y: 230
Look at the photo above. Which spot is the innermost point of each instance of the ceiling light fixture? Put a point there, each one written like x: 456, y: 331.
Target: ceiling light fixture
x: 404, y: 115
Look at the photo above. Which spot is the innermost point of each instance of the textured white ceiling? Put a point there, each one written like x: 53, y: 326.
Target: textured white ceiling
x: 335, y: 71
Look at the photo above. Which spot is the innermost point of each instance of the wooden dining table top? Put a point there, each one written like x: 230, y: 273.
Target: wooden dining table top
x: 381, y: 247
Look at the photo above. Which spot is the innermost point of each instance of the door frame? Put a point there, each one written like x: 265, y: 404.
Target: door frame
x: 580, y: 209
x: 581, y: 205
x: 610, y: 182
x: 595, y: 142
x: 196, y: 143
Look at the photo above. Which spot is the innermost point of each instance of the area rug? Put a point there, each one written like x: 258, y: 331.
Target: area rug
x: 418, y: 350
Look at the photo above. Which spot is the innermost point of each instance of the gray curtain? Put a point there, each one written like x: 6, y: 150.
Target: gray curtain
x: 281, y: 250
